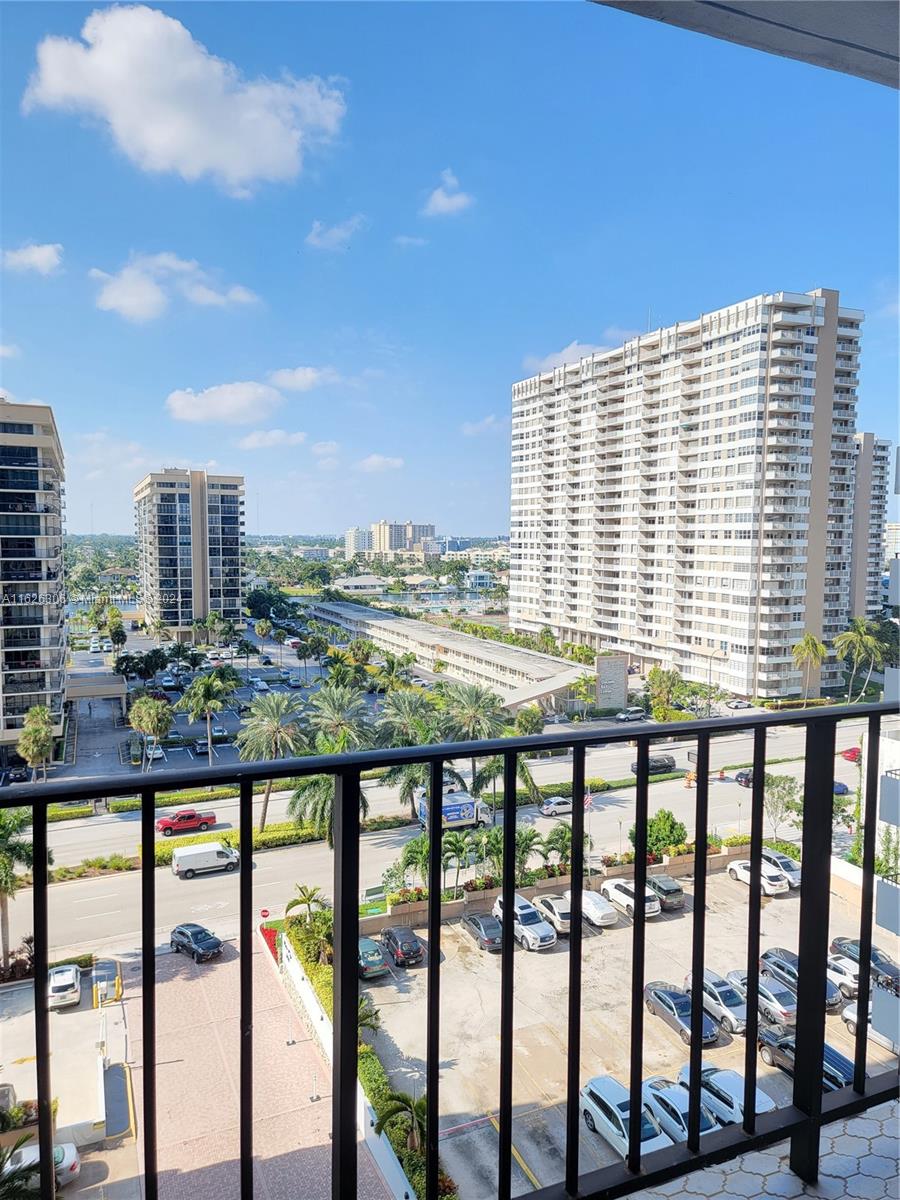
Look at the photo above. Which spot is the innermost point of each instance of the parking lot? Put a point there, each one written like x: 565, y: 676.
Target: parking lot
x: 470, y: 1006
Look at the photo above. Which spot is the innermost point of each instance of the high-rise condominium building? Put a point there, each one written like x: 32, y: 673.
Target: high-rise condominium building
x: 687, y: 498
x: 872, y: 466
x: 396, y: 535
x: 357, y: 541
x: 32, y: 628
x: 190, y: 539
x: 891, y: 544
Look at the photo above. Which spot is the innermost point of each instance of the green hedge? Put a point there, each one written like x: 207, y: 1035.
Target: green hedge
x: 770, y: 762
x: 564, y: 788
x: 787, y: 848
x: 83, y: 961
x: 192, y: 797
x: 285, y: 833
x: 56, y: 812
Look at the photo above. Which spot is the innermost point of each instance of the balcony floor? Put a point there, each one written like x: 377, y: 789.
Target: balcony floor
x: 859, y: 1160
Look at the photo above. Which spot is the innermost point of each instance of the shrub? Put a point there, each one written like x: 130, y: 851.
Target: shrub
x: 284, y: 833
x: 781, y: 847
x: 70, y: 813
x: 737, y: 839
x: 663, y: 832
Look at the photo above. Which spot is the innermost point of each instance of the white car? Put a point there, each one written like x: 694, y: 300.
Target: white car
x: 94, y: 648
x: 631, y: 714
x: 153, y: 752
x: 605, y: 1107
x: 63, y: 986
x: 620, y: 892
x: 851, y: 1020
x: 107, y: 646
x: 556, y: 806
x: 555, y: 910
x: 773, y: 882
x: 66, y: 1162
x: 844, y: 974
x: 219, y: 731
x: 260, y: 685
x: 668, y: 1101
x: 595, y: 910
x: 722, y: 1092
x: 530, y: 929
x: 168, y: 681
x: 789, y: 867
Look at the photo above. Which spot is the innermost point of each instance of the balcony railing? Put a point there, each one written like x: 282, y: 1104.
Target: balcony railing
x: 801, y: 1121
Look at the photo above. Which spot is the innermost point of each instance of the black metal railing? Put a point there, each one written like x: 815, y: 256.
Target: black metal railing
x: 801, y: 1121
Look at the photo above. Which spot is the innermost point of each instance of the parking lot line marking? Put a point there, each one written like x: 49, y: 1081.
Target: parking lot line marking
x: 532, y: 1178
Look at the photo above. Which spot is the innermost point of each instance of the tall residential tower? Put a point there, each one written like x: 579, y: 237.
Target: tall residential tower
x: 190, y: 539
x: 687, y: 498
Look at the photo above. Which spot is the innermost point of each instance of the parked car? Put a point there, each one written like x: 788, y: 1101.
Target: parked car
x: 885, y: 971
x: 195, y: 941
x: 783, y: 966
x: 63, y: 986
x: 776, y: 1004
x: 200, y: 746
x: 737, y: 704
x: 840, y: 789
x: 185, y: 820
x: 188, y: 861
x: 66, y: 1162
x: 168, y: 681
x: 484, y: 929
x: 530, y: 930
x: 852, y: 754
x: 673, y: 1004
x: 722, y: 1091
x: 154, y: 753
x: 844, y: 974
x: 668, y: 1101
x: 667, y: 890
x: 772, y: 882
x: 219, y: 731
x: 631, y: 714
x: 17, y: 774
x: 744, y: 777
x: 294, y: 680
x: 402, y: 945
x: 555, y: 910
x: 265, y: 660
x: 556, y: 806
x: 595, y: 909
x: 777, y: 1048
x: 371, y: 959
x: 261, y: 686
x: 605, y: 1107
x: 851, y: 1019
x: 722, y: 1001
x: 789, y: 867
x: 620, y: 892
x: 657, y: 764
x: 107, y: 646
x: 94, y: 647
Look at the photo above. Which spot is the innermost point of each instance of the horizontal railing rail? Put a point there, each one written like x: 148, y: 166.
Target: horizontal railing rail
x: 801, y: 1121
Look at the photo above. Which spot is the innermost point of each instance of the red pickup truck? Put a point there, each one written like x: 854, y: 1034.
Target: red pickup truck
x: 186, y: 820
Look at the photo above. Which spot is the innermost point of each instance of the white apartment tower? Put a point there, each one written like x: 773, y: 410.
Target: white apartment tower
x: 871, y: 470
x: 190, y: 538
x: 32, y: 615
x: 687, y: 498
x: 356, y: 541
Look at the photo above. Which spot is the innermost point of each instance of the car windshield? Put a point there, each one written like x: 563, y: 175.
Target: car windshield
x: 203, y: 935
x: 62, y: 986
x: 649, y: 1127
x: 528, y: 916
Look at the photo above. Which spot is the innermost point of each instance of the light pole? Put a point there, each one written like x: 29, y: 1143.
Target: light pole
x: 723, y: 653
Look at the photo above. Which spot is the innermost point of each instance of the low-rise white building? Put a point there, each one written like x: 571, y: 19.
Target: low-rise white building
x: 371, y: 584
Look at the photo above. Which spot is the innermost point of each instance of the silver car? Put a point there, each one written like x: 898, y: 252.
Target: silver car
x: 776, y: 1004
x: 63, y: 986
x: 789, y: 867
x: 722, y: 1001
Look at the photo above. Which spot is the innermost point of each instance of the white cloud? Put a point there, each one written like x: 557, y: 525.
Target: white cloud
x: 171, y: 106
x: 44, y: 259
x: 407, y: 240
x: 379, y: 462
x: 324, y: 448
x: 335, y: 237
x: 447, y: 198
x: 488, y: 425
x: 8, y: 350
x: 612, y: 335
x: 225, y: 403
x: 141, y: 290
x: 265, y: 439
x: 99, y: 452
x: 327, y: 464
x: 303, y: 379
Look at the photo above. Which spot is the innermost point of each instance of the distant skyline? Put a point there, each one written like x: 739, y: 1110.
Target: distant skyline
x: 323, y: 261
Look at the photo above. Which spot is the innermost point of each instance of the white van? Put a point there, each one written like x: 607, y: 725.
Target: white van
x: 188, y: 861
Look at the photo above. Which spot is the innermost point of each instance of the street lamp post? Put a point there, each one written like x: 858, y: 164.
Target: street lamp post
x: 723, y: 652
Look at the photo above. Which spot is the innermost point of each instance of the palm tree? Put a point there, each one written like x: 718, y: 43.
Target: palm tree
x: 559, y: 841
x: 205, y: 696
x: 394, y: 671
x: 809, y: 652
x: 15, y: 851
x: 878, y: 651
x: 18, y: 1181
x: 344, y: 671
x: 302, y: 652
x: 529, y: 719
x: 307, y: 897
x: 159, y: 631
x: 35, y: 743
x: 271, y: 731
x: 316, y: 937
x: 340, y: 715
x: 312, y: 802
x: 414, y: 856
x: 156, y: 721
x: 408, y: 719
x: 244, y: 649
x: 490, y: 846
x: 401, y: 1104
x: 457, y: 847
x: 367, y: 1016
x: 279, y: 637
x: 214, y: 625
x: 473, y: 712
x: 490, y: 771
x: 412, y: 777
x: 198, y: 629
x: 528, y: 842
x: 857, y: 643
x: 263, y: 629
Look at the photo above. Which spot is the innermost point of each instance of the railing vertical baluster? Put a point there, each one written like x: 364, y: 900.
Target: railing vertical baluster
x: 42, y: 1046
x: 698, y: 940
x: 148, y: 988
x: 433, y: 1030
x: 818, y: 787
x: 573, y: 1080
x: 346, y: 985
x: 754, y: 917
x: 870, y: 824
x: 246, y: 1014
x: 638, y: 931
x: 507, y: 977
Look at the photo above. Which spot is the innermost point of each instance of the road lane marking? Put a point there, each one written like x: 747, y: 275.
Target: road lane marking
x: 113, y: 912
x: 91, y: 899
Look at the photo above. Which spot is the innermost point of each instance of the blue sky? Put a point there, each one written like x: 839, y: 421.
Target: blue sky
x: 226, y: 226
